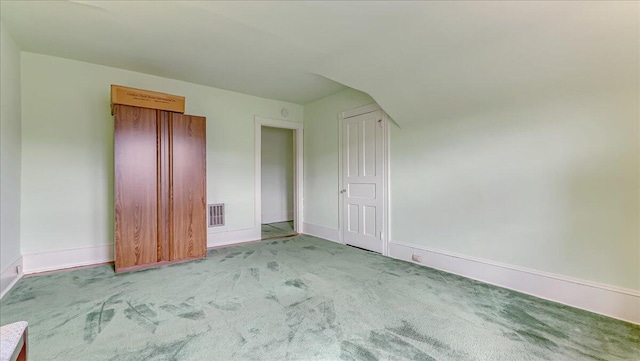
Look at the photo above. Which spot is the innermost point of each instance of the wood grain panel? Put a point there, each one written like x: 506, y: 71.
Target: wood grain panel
x: 164, y: 172
x: 188, y: 187
x: 136, y: 207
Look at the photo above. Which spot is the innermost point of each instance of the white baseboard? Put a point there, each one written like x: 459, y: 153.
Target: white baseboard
x: 616, y: 302
x: 330, y: 234
x: 57, y: 260
x: 10, y: 277
x: 232, y: 237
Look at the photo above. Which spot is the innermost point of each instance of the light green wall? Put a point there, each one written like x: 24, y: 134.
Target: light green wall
x: 321, y: 155
x: 67, y: 142
x: 9, y: 150
x: 549, y: 183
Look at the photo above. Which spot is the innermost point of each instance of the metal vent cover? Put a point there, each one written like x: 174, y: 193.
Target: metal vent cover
x: 216, y: 215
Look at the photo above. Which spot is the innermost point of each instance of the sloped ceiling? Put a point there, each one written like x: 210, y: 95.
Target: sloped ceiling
x: 415, y: 58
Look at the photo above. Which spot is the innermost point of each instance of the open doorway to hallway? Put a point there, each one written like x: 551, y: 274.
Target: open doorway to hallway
x: 277, y: 182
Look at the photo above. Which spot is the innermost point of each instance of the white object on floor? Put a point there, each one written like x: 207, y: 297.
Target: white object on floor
x: 10, y: 337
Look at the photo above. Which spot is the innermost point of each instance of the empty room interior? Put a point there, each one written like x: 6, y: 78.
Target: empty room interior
x: 366, y: 180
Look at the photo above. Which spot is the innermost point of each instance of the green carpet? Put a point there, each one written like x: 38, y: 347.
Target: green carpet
x: 301, y: 298
x: 277, y: 229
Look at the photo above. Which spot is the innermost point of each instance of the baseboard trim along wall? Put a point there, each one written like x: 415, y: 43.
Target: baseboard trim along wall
x: 57, y: 260
x: 10, y: 276
x: 611, y: 301
x: 216, y: 239
x: 616, y: 302
x: 327, y: 233
x: 86, y: 256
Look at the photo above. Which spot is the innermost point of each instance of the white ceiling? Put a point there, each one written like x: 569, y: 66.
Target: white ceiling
x: 414, y: 58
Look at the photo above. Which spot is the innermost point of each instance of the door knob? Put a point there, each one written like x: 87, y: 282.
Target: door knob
x: 343, y: 191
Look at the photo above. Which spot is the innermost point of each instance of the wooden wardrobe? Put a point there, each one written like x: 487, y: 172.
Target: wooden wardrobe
x: 160, y: 187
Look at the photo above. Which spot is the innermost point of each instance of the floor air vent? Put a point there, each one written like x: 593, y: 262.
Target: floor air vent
x: 216, y: 215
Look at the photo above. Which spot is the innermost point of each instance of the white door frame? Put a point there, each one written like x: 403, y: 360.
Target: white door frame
x: 385, y: 172
x: 298, y: 129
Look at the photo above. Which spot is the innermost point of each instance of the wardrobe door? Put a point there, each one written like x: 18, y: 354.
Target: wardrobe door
x: 136, y: 205
x: 188, y: 215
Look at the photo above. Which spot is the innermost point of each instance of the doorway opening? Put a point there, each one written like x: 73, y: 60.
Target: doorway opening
x: 277, y: 182
x: 278, y: 177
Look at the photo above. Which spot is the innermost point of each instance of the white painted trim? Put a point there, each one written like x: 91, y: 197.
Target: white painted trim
x: 10, y: 276
x: 386, y: 177
x: 340, y: 181
x: 359, y: 111
x: 57, y: 260
x: 70, y: 258
x: 227, y: 238
x: 616, y: 302
x: 298, y: 130
x: 327, y: 233
x: 387, y: 184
